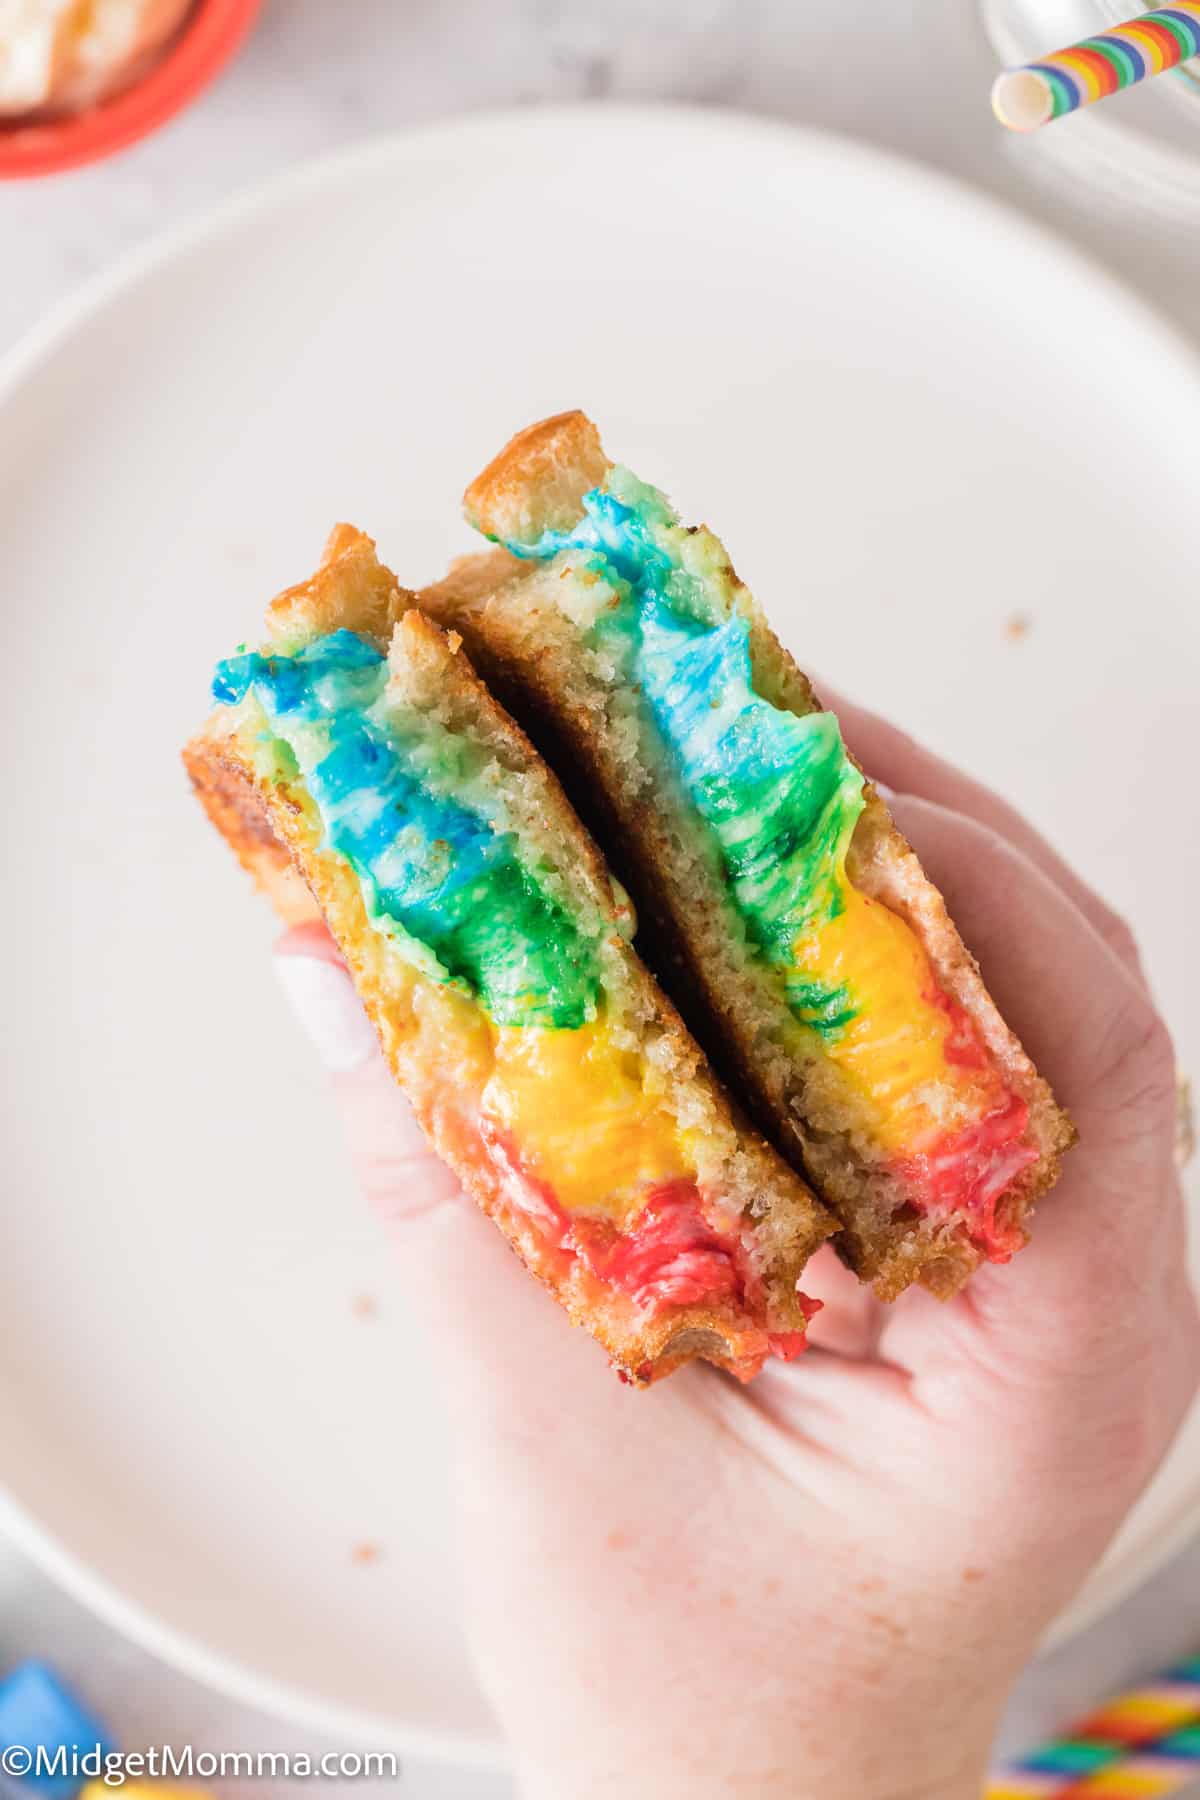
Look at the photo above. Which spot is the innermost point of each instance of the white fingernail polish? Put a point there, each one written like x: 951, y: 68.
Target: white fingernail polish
x: 323, y: 999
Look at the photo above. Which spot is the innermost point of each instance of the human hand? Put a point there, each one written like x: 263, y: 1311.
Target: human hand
x: 823, y: 1584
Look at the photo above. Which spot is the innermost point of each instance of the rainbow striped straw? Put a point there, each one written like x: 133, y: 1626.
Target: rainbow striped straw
x: 1025, y: 98
x: 1137, y: 1747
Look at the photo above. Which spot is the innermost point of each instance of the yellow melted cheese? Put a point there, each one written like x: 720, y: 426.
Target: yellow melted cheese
x: 894, y: 1048
x: 574, y: 1107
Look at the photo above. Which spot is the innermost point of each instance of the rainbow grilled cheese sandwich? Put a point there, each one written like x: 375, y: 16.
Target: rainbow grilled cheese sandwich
x: 364, y: 775
x: 788, y: 916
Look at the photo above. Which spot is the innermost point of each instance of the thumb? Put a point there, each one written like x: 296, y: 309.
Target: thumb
x: 397, y: 1171
x: 491, y: 1325
x: 1107, y: 1253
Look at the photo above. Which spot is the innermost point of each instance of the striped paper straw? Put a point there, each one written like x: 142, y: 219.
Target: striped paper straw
x: 1139, y: 1746
x: 1025, y: 98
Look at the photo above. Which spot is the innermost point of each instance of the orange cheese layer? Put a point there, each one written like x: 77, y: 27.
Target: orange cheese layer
x: 586, y: 1126
x: 572, y: 1103
x: 905, y: 1039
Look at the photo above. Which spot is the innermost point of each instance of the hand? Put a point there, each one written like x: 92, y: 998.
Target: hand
x: 821, y: 1585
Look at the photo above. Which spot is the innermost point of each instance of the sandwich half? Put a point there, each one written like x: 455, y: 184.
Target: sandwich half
x: 786, y: 913
x: 364, y: 775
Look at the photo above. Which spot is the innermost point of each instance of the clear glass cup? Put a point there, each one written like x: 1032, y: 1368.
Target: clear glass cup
x: 1141, y: 146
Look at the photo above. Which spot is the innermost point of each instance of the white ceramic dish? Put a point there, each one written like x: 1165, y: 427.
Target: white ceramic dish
x: 910, y: 415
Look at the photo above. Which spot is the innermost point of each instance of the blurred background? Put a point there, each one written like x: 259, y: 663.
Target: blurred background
x: 911, y: 76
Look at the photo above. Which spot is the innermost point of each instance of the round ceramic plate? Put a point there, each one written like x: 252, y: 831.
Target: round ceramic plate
x: 958, y: 464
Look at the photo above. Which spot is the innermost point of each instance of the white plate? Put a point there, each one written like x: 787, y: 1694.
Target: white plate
x: 908, y: 413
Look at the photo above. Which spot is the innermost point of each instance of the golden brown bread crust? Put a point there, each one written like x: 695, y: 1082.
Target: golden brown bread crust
x: 277, y: 838
x: 508, y: 612
x: 538, y: 481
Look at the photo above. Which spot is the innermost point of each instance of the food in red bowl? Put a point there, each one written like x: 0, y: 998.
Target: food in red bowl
x: 80, y: 79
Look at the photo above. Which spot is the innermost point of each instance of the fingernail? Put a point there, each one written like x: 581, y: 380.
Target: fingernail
x: 884, y: 791
x: 322, y: 997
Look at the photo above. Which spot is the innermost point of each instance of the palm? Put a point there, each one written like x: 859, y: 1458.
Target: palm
x: 928, y: 1482
x: 935, y: 1487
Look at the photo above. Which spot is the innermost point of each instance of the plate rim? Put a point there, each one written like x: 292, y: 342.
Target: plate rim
x: 35, y: 349
x: 236, y: 1680
x: 38, y: 341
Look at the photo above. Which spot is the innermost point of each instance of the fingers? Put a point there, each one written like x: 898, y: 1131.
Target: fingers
x: 1110, y: 1235
x: 891, y: 756
x: 490, y: 1326
x: 514, y: 1369
x: 397, y: 1171
x: 533, y: 1401
x: 404, y: 1182
x: 1078, y: 1009
x: 850, y: 1318
x: 320, y: 993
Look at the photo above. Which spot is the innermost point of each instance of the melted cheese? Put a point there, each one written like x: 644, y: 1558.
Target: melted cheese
x: 574, y: 1104
x: 894, y: 1044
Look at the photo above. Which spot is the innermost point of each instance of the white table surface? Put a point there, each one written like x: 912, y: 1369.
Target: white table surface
x: 322, y: 73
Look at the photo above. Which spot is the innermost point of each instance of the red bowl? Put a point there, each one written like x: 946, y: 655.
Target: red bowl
x: 208, y: 38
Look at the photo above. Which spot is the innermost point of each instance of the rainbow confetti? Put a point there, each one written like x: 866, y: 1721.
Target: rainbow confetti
x: 1139, y: 1746
x: 1025, y: 98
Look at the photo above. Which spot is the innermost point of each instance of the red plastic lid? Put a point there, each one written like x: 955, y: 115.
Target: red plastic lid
x: 207, y: 40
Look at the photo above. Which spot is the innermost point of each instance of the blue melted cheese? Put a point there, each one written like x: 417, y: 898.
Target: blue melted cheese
x: 432, y: 870
x: 778, y: 792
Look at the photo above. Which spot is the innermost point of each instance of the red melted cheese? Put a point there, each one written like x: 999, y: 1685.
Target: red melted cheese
x: 962, y: 1045
x: 672, y: 1256
x: 967, y: 1171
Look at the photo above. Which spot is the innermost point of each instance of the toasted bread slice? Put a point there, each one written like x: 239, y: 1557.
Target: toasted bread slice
x: 782, y: 908
x: 363, y: 774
